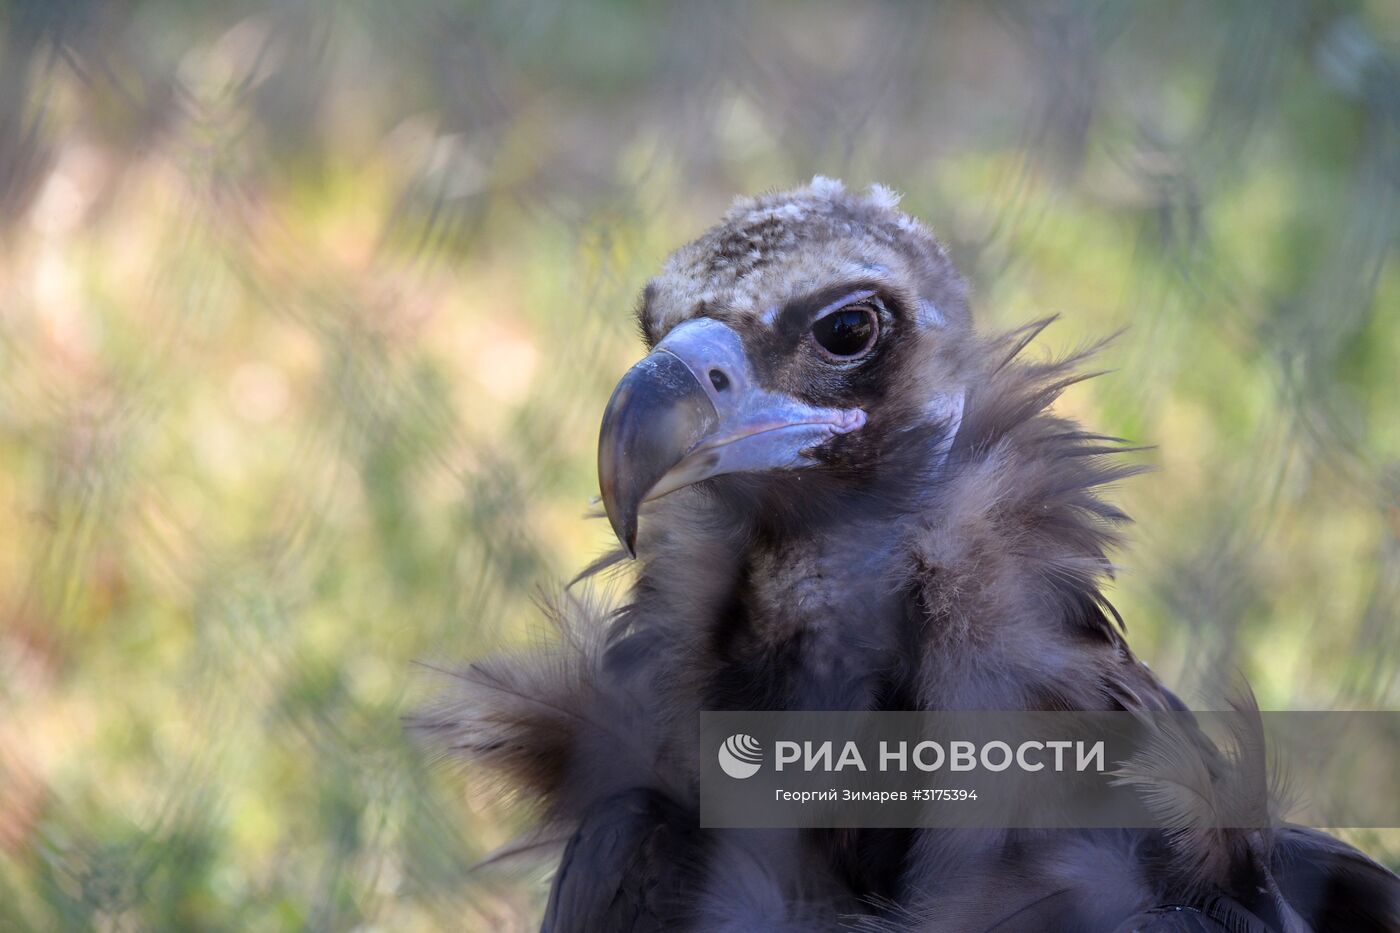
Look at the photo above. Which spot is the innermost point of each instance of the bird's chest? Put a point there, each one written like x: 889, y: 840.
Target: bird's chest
x: 814, y: 625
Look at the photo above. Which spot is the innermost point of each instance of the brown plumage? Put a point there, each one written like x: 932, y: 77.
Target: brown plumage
x: 920, y: 533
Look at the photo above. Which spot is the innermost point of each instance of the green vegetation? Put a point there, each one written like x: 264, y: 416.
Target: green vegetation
x: 308, y: 312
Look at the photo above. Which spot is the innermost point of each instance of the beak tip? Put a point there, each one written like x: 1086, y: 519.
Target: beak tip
x: 625, y: 528
x: 627, y: 537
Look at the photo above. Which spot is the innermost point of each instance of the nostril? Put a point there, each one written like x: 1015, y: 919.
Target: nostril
x: 719, y: 380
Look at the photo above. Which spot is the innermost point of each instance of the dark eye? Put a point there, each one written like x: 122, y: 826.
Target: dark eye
x: 847, y: 333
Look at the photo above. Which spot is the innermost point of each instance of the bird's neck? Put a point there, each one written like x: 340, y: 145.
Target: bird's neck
x: 990, y: 581
x: 835, y: 583
x: 809, y: 622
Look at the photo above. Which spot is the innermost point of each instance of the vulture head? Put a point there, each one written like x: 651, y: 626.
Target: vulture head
x: 811, y: 349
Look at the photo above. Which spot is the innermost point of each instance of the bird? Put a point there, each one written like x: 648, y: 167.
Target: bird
x: 839, y: 494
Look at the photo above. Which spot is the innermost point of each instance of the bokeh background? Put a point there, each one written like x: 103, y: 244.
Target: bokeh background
x: 309, y: 309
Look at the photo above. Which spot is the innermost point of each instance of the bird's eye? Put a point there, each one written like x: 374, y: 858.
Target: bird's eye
x: 847, y: 333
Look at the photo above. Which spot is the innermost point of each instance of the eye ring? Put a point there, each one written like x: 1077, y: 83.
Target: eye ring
x: 848, y: 333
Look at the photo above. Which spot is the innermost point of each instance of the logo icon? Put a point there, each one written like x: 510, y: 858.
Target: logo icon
x: 740, y: 756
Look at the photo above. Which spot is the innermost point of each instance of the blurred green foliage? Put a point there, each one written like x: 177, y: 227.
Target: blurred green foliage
x: 308, y: 312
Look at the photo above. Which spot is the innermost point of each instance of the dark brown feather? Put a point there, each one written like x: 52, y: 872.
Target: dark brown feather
x: 935, y: 561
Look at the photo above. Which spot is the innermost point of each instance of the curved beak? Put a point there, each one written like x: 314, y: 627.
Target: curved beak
x: 691, y: 410
x: 658, y: 413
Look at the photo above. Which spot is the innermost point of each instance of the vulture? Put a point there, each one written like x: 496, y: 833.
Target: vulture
x: 839, y: 495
